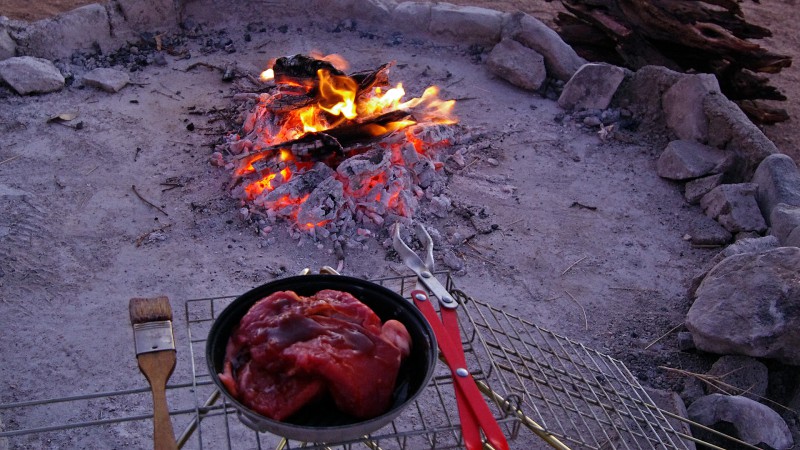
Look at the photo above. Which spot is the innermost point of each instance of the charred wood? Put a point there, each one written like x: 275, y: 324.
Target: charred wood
x: 709, y: 36
x: 329, y: 146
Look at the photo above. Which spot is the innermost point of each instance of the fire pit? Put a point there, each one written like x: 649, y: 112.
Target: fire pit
x: 331, y: 153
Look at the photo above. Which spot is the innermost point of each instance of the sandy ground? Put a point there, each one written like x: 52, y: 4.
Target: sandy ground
x: 76, y: 242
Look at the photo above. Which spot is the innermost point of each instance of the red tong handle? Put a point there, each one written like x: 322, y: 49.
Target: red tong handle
x: 472, y: 408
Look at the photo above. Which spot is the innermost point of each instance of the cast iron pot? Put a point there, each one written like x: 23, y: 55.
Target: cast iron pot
x: 323, y: 422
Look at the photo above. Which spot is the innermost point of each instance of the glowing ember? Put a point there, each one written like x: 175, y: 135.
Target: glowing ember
x: 325, y: 149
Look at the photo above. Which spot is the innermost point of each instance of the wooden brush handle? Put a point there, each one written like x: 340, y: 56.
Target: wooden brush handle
x: 158, y: 367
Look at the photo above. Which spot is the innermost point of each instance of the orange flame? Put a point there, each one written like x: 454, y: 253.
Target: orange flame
x: 339, y: 101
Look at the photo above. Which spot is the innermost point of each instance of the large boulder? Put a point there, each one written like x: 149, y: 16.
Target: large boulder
x: 592, y: 87
x: 30, y: 75
x: 778, y: 182
x: 686, y: 160
x: 730, y: 129
x: 749, y: 304
x: 517, y: 64
x: 683, y: 106
x: 561, y: 60
x: 467, y: 24
x: 744, y: 419
x: 734, y: 207
x: 60, y: 36
x: 739, y: 375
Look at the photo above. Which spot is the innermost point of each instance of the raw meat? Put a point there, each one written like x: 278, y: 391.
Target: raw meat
x: 288, y: 351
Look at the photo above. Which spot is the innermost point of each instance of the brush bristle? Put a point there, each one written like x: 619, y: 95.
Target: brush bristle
x: 150, y: 309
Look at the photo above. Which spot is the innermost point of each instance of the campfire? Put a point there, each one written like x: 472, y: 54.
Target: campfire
x: 331, y: 153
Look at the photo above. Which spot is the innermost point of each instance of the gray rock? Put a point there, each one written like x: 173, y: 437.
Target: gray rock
x: 451, y: 260
x: 746, y: 245
x: 794, y: 238
x: 642, y: 92
x: 694, y: 190
x: 467, y: 24
x: 784, y: 220
x: 684, y: 160
x: 672, y: 402
x: 730, y: 129
x: 755, y: 245
x: 147, y: 16
x: 692, y: 390
x: 683, y: 106
x: 8, y: 48
x: 560, y: 59
x: 412, y: 16
x: 734, y: 207
x: 778, y: 182
x: 685, y: 341
x: 60, y: 36
x: 30, y: 75
x: 592, y: 87
x: 753, y: 423
x: 517, y: 64
x: 740, y: 375
x: 441, y: 206
x: 708, y: 232
x: 748, y: 305
x: 107, y: 79
x: 592, y: 121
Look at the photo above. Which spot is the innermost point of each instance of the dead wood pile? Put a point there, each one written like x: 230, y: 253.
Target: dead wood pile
x: 708, y: 36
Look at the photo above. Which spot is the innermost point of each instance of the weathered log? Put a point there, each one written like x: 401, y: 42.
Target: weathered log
x: 702, y: 36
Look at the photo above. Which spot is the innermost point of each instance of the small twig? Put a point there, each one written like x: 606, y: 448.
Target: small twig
x: 147, y: 201
x: 479, y: 254
x: 181, y: 142
x: 464, y: 99
x: 91, y: 170
x: 514, y: 223
x: 454, y: 82
x: 707, y: 245
x: 664, y: 335
x: 471, y: 163
x: 581, y: 205
x: 9, y: 159
x: 573, y: 265
x: 164, y: 94
x: 617, y: 288
x: 585, y: 319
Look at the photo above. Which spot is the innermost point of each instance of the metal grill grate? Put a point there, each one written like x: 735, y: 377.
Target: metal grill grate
x: 570, y: 394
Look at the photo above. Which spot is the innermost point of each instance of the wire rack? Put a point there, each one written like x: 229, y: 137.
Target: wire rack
x: 545, y: 390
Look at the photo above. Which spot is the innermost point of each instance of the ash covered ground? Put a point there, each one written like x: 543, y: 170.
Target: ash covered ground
x: 546, y: 219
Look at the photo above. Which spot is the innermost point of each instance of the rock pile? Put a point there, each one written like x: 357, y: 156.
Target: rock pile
x: 748, y: 302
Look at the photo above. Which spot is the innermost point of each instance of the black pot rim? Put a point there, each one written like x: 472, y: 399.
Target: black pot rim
x: 416, y: 371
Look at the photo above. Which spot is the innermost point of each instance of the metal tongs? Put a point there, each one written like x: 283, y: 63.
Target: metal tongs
x: 473, y: 411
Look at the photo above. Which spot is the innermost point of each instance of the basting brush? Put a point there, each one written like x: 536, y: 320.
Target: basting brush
x: 155, y: 350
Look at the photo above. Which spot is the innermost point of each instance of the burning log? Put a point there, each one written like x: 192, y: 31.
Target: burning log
x: 706, y: 36
x: 329, y: 146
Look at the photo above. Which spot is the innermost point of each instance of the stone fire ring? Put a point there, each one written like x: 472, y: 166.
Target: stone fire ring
x: 747, y: 298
